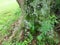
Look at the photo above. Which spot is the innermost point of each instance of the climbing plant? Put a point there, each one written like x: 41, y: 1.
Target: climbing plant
x: 39, y: 22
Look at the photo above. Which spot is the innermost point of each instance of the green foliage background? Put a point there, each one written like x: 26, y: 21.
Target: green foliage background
x: 38, y: 23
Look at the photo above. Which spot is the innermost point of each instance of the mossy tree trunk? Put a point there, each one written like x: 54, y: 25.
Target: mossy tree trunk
x: 38, y: 21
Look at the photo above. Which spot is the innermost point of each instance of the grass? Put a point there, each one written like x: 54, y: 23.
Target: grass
x: 9, y: 13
